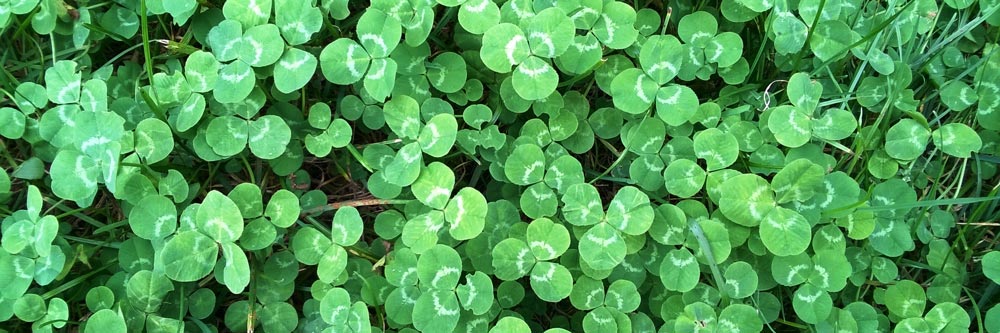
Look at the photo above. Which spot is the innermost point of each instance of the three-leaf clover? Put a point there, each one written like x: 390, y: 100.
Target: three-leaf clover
x: 546, y: 240
x: 524, y: 49
x: 346, y: 61
x: 603, y: 246
x: 464, y: 213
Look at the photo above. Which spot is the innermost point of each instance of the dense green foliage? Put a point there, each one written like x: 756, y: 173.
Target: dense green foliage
x: 499, y: 166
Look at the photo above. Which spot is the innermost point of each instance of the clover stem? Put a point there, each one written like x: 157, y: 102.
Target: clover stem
x: 361, y: 253
x: 246, y: 164
x: 610, y: 147
x: 10, y: 159
x: 611, y: 167
x: 622, y: 180
x: 319, y: 226
x: 252, y: 298
x: 584, y: 74
x: 89, y: 241
x: 449, y: 15
x: 975, y: 311
x: 666, y: 20
x: 52, y: 43
x: 181, y: 308
x: 79, y: 280
x: 357, y: 156
x: 386, y: 142
x: 98, y: 5
x: 809, y: 35
x: 792, y: 324
x: 145, y: 43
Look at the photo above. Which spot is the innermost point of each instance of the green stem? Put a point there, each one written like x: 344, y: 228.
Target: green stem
x: 79, y: 280
x: 319, y: 226
x: 876, y: 30
x: 385, y: 142
x: 706, y: 249
x: 666, y: 20
x: 792, y: 324
x: 252, y: 297
x: 356, y: 251
x: 88, y: 241
x: 809, y: 34
x: 962, y: 31
x: 246, y: 164
x: 147, y: 54
x: 357, y: 156
x: 52, y: 44
x: 10, y: 159
x: 608, y: 170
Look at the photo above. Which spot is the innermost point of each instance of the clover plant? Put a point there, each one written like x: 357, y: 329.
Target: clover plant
x: 502, y: 166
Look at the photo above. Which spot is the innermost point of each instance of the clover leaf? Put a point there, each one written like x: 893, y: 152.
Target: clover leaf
x: 146, y: 290
x: 346, y: 227
x: 789, y: 31
x: 434, y: 185
x: 154, y: 140
x: 504, y: 46
x: 283, y: 208
x: 155, y: 217
x: 526, y: 165
x: 510, y: 324
x: 346, y: 61
x: 906, y: 140
x: 684, y: 178
x: 793, y: 125
x: 436, y: 311
x: 812, y: 304
x: 438, y: 136
x: 746, y: 199
x: 906, y: 299
x: 189, y: 256
x: 719, y: 149
x: 63, y: 82
x: 106, y: 320
x: 476, y: 295
x: 615, y: 26
x: 797, y: 181
x: 785, y: 232
x: 630, y: 212
x: 295, y: 68
x: 236, y: 81
x: 835, y: 124
x: 991, y: 265
x: 76, y: 175
x: 803, y: 92
x: 512, y: 259
x: 405, y: 167
x: 219, y: 218
x: 633, y: 91
x: 831, y: 38
x: 957, y: 139
x: 602, y: 246
x: 697, y: 28
x: 679, y: 270
x: 466, y: 212
x: 297, y: 21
